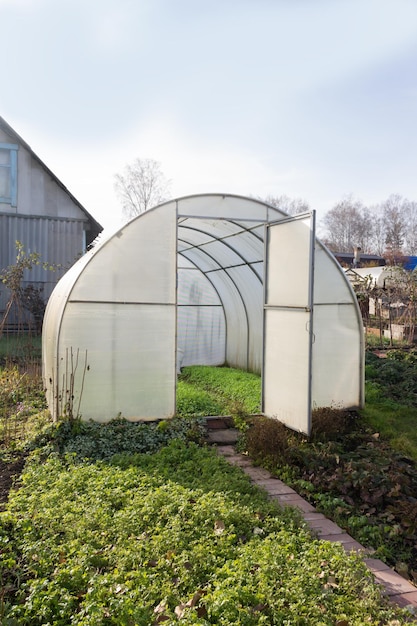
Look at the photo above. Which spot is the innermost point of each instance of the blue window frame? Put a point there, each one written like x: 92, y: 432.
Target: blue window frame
x: 8, y: 173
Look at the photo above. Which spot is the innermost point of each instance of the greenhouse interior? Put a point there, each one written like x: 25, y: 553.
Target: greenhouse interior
x: 204, y: 280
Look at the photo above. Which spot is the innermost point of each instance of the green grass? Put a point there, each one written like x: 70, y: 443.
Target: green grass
x: 395, y: 422
x: 391, y: 399
x: 179, y: 536
x: 198, y: 402
x: 235, y: 390
x: 20, y: 347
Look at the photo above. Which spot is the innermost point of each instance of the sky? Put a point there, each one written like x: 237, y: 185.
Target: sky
x: 314, y: 99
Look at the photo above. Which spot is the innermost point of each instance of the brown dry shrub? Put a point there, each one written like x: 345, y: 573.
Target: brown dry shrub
x: 330, y: 422
x: 269, y: 440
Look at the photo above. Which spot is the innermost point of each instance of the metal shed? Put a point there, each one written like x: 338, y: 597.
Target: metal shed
x: 208, y: 279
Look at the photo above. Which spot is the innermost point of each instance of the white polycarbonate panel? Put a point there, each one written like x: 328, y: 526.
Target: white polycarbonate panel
x: 212, y: 229
x: 201, y: 260
x: 135, y: 264
x: 223, y: 253
x: 249, y: 245
x: 330, y: 283
x: 201, y: 336
x: 194, y: 288
x: 238, y: 244
x: 337, y: 357
x: 222, y: 206
x: 236, y: 319
x: 259, y: 269
x: 289, y: 258
x: 189, y: 237
x: 286, y: 367
x: 130, y: 354
x: 185, y: 263
x: 251, y: 290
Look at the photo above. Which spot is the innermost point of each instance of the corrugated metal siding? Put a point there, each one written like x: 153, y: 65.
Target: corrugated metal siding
x: 57, y: 241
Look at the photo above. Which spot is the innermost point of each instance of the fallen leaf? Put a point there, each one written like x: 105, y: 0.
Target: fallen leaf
x: 219, y: 527
x: 195, y: 599
x: 180, y: 610
x: 161, y: 607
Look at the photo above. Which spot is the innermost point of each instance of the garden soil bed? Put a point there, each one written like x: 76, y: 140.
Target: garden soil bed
x: 9, y: 472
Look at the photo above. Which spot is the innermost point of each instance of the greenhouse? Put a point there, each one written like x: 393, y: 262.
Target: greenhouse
x: 208, y: 280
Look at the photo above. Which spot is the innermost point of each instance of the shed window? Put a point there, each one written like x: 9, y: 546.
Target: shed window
x: 8, y: 173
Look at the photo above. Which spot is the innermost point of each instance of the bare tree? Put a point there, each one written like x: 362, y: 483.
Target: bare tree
x: 395, y: 224
x: 141, y: 186
x: 410, y: 233
x: 292, y: 206
x: 348, y: 224
x: 377, y: 243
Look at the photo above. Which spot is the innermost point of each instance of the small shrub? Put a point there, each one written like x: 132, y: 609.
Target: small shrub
x: 328, y: 422
x: 270, y: 442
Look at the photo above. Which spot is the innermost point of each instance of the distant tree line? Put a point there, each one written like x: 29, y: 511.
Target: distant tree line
x: 387, y: 229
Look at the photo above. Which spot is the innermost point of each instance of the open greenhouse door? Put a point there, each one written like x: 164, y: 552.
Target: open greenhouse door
x: 288, y: 321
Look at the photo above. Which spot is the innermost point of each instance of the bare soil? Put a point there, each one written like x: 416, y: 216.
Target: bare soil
x: 9, y: 473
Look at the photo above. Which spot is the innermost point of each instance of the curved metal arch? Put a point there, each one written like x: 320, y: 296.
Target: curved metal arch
x: 232, y: 280
x: 197, y: 247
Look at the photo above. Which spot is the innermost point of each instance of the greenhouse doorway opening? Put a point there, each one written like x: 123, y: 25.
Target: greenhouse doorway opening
x: 253, y: 313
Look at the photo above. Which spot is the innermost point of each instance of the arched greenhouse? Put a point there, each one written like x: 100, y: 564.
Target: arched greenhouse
x: 209, y: 280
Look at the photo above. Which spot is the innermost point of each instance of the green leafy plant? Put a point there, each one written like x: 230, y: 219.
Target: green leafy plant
x: 238, y: 391
x: 176, y: 536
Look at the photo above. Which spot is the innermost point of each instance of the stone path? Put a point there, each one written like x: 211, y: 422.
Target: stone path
x: 399, y: 590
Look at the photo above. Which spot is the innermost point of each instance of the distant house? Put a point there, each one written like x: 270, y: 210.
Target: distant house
x: 346, y: 259
x: 38, y: 210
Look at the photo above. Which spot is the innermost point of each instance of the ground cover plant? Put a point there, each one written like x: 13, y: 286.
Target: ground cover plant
x: 133, y: 524
x: 235, y: 391
x: 178, y: 536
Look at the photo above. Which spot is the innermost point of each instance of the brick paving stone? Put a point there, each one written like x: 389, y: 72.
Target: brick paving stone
x: 325, y: 527
x: 293, y: 500
x: 258, y: 474
x: 239, y: 460
x: 353, y: 546
x: 226, y: 435
x: 313, y: 515
x: 226, y: 450
x: 406, y: 600
x: 278, y: 489
x: 347, y: 542
x: 375, y: 565
x: 394, y: 583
